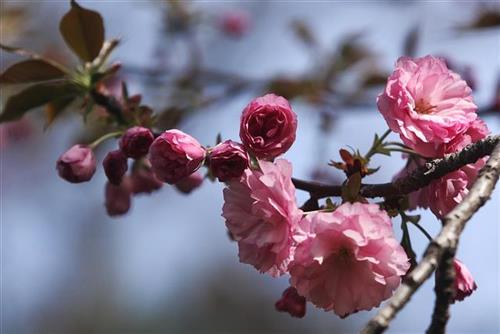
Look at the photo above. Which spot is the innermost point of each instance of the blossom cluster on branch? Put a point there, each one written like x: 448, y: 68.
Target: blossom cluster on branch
x: 340, y: 255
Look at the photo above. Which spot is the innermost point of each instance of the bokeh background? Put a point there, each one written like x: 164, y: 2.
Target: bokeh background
x: 168, y: 266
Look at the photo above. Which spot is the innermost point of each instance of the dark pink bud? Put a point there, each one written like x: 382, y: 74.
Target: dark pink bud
x: 175, y: 155
x: 292, y: 303
x: 77, y: 164
x: 464, y: 282
x: 268, y: 126
x: 190, y: 183
x: 144, y: 182
x: 234, y: 23
x: 136, y: 141
x: 115, y: 166
x: 117, y: 198
x: 228, y: 160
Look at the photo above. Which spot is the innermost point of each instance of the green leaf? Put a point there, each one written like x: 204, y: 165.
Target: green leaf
x: 55, y: 108
x: 83, y: 31
x: 31, y: 70
x: 35, y: 96
x: 350, y: 190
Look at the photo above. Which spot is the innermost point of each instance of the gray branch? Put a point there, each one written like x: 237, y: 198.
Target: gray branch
x: 442, y: 247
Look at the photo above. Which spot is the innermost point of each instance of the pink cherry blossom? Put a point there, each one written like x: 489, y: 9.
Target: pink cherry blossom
x: 261, y: 215
x: 175, y: 155
x: 426, y: 103
x: 292, y: 303
x: 76, y: 165
x: 350, y: 260
x: 268, y: 126
x: 464, y: 282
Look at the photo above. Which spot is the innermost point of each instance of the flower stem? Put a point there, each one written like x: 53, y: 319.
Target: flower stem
x: 107, y: 136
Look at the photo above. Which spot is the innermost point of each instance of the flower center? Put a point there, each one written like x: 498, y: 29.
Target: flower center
x: 344, y: 255
x: 424, y: 107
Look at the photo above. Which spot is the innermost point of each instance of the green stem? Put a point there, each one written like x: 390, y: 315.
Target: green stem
x: 374, y: 147
x: 427, y: 235
x: 107, y: 136
x: 403, y: 150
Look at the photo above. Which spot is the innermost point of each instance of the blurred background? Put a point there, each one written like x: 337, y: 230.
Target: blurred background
x: 168, y: 265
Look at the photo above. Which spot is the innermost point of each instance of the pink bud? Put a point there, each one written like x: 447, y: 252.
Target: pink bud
x: 228, y: 160
x: 77, y: 164
x: 136, y: 141
x: 234, y: 23
x: 292, y: 303
x: 117, y: 198
x: 190, y: 183
x: 464, y: 282
x: 144, y: 182
x: 115, y: 166
x: 268, y: 126
x: 175, y: 155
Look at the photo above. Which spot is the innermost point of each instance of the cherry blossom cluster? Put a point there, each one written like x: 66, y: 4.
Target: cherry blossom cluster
x: 432, y: 110
x: 342, y: 257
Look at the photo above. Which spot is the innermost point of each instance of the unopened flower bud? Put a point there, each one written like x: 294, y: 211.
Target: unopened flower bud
x: 117, y: 198
x: 228, y: 160
x: 175, y: 155
x: 464, y: 282
x: 144, y: 181
x: 190, y: 183
x: 115, y: 166
x: 292, y: 303
x: 136, y: 141
x: 78, y: 164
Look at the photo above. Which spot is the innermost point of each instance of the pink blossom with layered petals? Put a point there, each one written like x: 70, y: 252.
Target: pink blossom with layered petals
x: 464, y: 282
x: 350, y: 261
x: 268, y: 126
x: 426, y: 103
x: 261, y: 215
x: 175, y: 155
x: 136, y: 141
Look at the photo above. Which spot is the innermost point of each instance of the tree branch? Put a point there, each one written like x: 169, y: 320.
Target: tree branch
x: 443, y: 246
x: 418, y: 179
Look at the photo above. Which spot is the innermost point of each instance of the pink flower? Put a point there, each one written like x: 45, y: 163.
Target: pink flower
x: 476, y: 131
x: 464, y: 282
x: 261, y: 214
x: 228, y: 160
x: 190, y: 183
x: 292, y: 303
x: 268, y: 126
x: 115, y: 166
x: 426, y: 103
x: 350, y: 261
x: 234, y: 23
x: 136, y: 141
x: 174, y: 155
x: 77, y: 164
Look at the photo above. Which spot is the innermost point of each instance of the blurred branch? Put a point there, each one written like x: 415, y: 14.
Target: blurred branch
x: 440, y: 251
x: 418, y: 179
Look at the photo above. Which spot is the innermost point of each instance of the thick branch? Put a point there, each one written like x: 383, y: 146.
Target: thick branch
x: 419, y: 178
x: 443, y: 245
x: 445, y: 290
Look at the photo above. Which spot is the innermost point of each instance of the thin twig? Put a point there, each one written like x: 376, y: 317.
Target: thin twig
x: 418, y: 179
x: 443, y: 246
x: 111, y: 105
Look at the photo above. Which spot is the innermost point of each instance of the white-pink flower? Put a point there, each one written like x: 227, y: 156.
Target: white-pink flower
x: 350, y: 261
x: 426, y: 103
x: 261, y: 214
